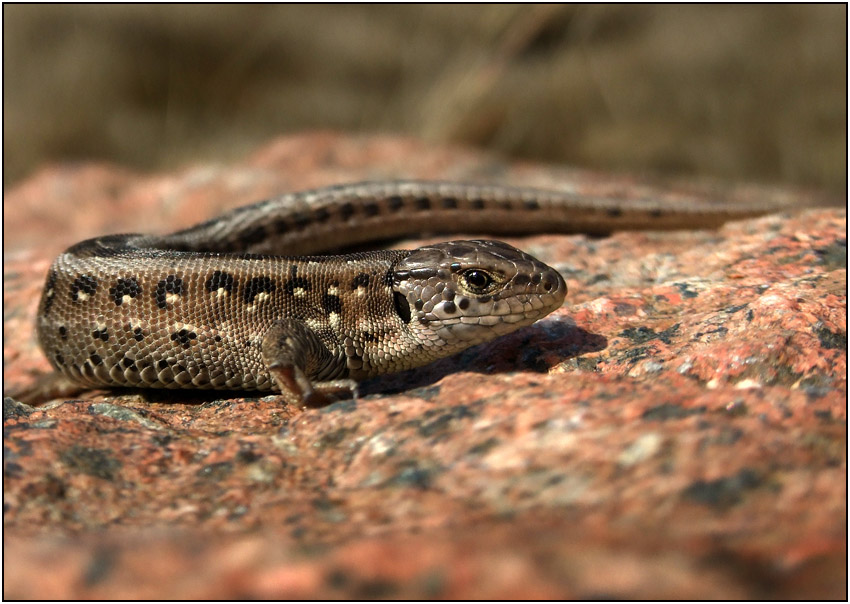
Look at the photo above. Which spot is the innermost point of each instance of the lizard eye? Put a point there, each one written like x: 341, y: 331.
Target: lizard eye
x: 477, y: 280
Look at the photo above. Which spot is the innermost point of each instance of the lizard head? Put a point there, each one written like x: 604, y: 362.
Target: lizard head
x: 458, y: 294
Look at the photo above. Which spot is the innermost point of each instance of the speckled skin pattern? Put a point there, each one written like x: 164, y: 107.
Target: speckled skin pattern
x: 213, y: 307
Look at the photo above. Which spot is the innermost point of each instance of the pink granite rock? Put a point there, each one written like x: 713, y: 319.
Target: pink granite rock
x: 677, y: 430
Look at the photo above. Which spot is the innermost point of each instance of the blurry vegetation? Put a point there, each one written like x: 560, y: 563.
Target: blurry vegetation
x: 742, y: 92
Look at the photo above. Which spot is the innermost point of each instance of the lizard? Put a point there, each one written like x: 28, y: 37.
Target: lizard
x: 242, y: 301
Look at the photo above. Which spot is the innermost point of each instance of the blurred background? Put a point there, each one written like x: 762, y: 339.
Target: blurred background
x: 740, y: 92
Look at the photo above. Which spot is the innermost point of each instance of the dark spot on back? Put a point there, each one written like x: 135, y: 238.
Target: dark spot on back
x: 162, y: 365
x: 449, y: 203
x: 423, y: 203
x: 252, y: 234
x: 521, y: 279
x: 84, y: 283
x: 346, y: 211
x: 371, y: 209
x: 656, y: 213
x: 301, y: 219
x: 128, y: 363
x: 321, y: 214
x: 256, y: 286
x: 395, y: 202
x: 361, y: 280
x: 297, y: 283
x: 331, y: 303
x: 172, y: 284
x: 124, y: 287
x: 450, y: 308
x: 389, y: 277
x: 49, y: 292
x: 63, y: 333
x: 220, y: 280
x: 477, y: 204
x: 531, y: 204
x: 184, y: 337
x: 463, y: 303
x: 100, y: 334
x: 280, y: 226
x: 60, y: 360
x: 95, y: 358
x: 614, y: 212
x: 368, y: 337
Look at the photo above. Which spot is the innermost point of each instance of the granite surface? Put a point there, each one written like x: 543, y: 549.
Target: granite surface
x: 677, y: 430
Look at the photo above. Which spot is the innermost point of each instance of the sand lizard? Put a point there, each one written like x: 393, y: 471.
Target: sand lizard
x: 217, y: 305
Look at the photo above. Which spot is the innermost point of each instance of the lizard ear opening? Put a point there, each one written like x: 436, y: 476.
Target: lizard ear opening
x: 402, y: 308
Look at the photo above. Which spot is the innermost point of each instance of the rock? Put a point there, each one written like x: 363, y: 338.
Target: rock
x: 677, y: 430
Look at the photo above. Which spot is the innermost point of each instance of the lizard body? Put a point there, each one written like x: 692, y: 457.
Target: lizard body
x: 232, y: 304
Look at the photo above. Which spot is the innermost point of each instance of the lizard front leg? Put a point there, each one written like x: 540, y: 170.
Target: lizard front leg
x: 294, y: 355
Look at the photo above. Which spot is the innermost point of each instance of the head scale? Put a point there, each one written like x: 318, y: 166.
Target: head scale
x: 461, y: 293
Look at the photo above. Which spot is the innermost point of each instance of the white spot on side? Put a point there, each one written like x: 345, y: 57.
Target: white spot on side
x: 333, y: 290
x: 313, y: 324
x: 299, y: 292
x: 126, y: 299
x: 361, y: 290
x: 221, y: 293
x: 82, y: 296
x: 261, y: 297
x: 333, y: 318
x: 172, y: 298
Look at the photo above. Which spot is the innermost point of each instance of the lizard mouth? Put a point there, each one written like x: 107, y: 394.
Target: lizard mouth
x: 482, y: 328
